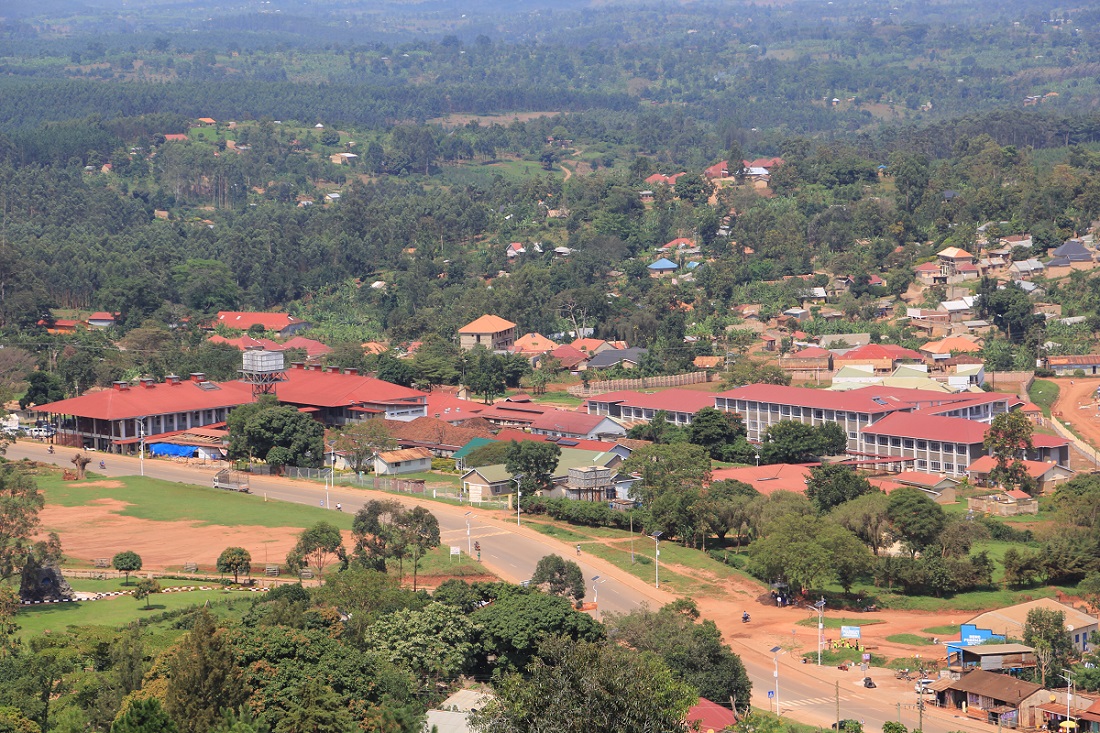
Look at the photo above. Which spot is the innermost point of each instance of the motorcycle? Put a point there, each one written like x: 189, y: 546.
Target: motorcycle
x: 745, y: 618
x: 50, y: 450
x: 102, y: 465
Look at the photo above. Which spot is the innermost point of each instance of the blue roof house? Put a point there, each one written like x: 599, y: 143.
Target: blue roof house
x: 662, y: 266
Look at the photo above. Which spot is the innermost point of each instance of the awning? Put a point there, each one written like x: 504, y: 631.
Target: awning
x: 167, y: 449
x: 940, y: 685
x: 1001, y: 709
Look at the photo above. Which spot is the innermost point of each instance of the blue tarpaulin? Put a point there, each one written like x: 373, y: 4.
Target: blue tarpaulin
x: 167, y: 449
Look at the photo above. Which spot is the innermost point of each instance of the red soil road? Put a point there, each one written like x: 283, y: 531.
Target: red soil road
x: 1077, y: 406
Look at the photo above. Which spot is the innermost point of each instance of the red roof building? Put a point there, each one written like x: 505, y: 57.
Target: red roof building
x: 283, y: 324
x: 314, y: 349
x: 680, y: 405
x: 678, y: 243
x: 104, y: 420
x: 577, y: 425
x: 710, y: 717
x: 571, y: 358
x: 767, y: 479
x: 666, y: 180
x: 245, y: 342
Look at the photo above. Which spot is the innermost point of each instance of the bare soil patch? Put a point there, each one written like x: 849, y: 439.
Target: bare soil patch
x: 100, y: 484
x: 98, y: 529
x: 1077, y: 406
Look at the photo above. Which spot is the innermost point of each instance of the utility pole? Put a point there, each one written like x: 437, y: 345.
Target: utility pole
x: 838, y: 705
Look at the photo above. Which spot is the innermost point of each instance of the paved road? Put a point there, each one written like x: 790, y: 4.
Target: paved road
x: 806, y: 692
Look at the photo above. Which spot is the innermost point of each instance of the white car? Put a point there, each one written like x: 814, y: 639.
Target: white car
x: 922, y: 686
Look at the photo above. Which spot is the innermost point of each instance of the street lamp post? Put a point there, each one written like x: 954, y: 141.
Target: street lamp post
x: 657, y: 559
x: 596, y: 583
x: 775, y: 658
x: 519, y: 494
x: 1068, y: 677
x: 331, y: 478
x: 820, y: 606
x: 469, y: 547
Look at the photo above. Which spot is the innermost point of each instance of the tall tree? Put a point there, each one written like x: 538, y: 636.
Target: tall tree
x: 833, y: 484
x: 1045, y: 631
x: 360, y: 440
x: 623, y: 691
x: 536, y: 461
x: 317, y: 545
x: 559, y: 576
x: 203, y: 678
x: 419, y: 529
x: 315, y: 708
x: 915, y: 519
x: 20, y: 502
x: 666, y: 468
x: 144, y: 716
x: 375, y: 531
x: 716, y: 430
x: 1008, y: 437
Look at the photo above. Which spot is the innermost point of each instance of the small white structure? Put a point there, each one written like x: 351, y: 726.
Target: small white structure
x: 408, y: 460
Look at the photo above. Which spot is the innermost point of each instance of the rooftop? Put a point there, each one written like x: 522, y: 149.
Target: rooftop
x: 246, y: 319
x: 853, y: 401
x: 487, y: 324
x: 767, y: 479
x: 670, y: 400
x: 929, y: 427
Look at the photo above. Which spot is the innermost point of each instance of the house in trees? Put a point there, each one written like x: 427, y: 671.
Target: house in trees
x: 669, y: 181
x: 102, y: 319
x: 1067, y: 366
x: 283, y: 324
x: 663, y: 266
x: 812, y: 358
x: 1045, y: 475
x: 492, y: 332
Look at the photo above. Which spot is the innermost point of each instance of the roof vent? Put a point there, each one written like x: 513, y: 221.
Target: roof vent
x: 198, y: 377
x: 208, y: 386
x: 351, y: 370
x: 172, y: 379
x: 121, y: 386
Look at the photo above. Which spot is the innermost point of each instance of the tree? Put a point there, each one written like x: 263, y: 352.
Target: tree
x: 808, y: 551
x: 789, y: 441
x: 240, y: 722
x: 280, y: 435
x: 316, y: 546
x: 693, y: 650
x: 623, y: 691
x: 235, y: 560
x: 434, y: 643
x: 145, y: 588
x: 42, y: 388
x: 1008, y: 436
x: 693, y: 188
x: 144, y: 716
x: 20, y: 503
x: 535, y: 460
x: 315, y: 708
x: 1089, y: 590
x: 518, y: 619
x: 866, y: 517
x: 203, y: 678
x: 832, y: 484
x: 1045, y: 631
x: 126, y: 562
x: 666, y: 468
x: 914, y: 518
x: 715, y: 430
x: 560, y: 577
x: 12, y: 720
x: 359, y: 441
x: 376, y: 533
x: 419, y: 530
x: 490, y: 454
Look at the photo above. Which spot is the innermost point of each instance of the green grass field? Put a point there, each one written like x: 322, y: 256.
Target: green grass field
x: 165, y: 501
x: 114, y: 612
x: 910, y: 639
x: 836, y: 623
x: 1044, y: 393
x: 947, y: 630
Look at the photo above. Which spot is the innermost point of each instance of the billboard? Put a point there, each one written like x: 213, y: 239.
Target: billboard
x: 849, y: 632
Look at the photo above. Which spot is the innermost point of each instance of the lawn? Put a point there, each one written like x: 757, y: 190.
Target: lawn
x: 1043, y: 393
x: 111, y: 585
x: 167, y: 501
x: 115, y: 612
x: 836, y: 623
x: 910, y: 639
x: 947, y: 630
x: 840, y: 656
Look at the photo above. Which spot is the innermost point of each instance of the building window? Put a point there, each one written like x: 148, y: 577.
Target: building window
x: 785, y: 410
x: 935, y: 465
x: 908, y: 443
x: 819, y: 414
x: 949, y: 467
x: 851, y: 435
x: 934, y: 445
x: 895, y: 442
x: 830, y: 415
x: 961, y: 449
x: 883, y: 440
x: 922, y: 445
x: 922, y: 464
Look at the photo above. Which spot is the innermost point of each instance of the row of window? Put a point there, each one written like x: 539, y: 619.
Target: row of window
x: 797, y: 412
x: 911, y: 443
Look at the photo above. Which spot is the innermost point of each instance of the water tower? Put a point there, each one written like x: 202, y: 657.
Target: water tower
x: 263, y: 370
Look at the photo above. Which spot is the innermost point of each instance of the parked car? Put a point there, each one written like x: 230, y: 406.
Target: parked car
x: 922, y: 686
x: 45, y: 432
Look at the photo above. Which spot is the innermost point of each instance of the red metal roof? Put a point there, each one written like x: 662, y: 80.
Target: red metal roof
x: 711, y: 716
x: 102, y: 316
x: 919, y: 478
x: 1041, y: 440
x: 929, y: 427
x: 487, y: 324
x: 811, y: 352
x: 881, y: 351
x: 856, y: 400
x: 245, y: 319
x: 569, y: 356
x: 509, y: 434
x: 246, y: 342
x: 159, y: 399
x: 313, y: 348
x: 330, y: 389
x: 768, y: 479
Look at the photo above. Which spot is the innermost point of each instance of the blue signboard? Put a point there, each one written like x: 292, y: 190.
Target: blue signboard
x: 849, y: 632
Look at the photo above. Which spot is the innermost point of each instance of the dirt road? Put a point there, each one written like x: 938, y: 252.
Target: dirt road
x: 1077, y: 406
